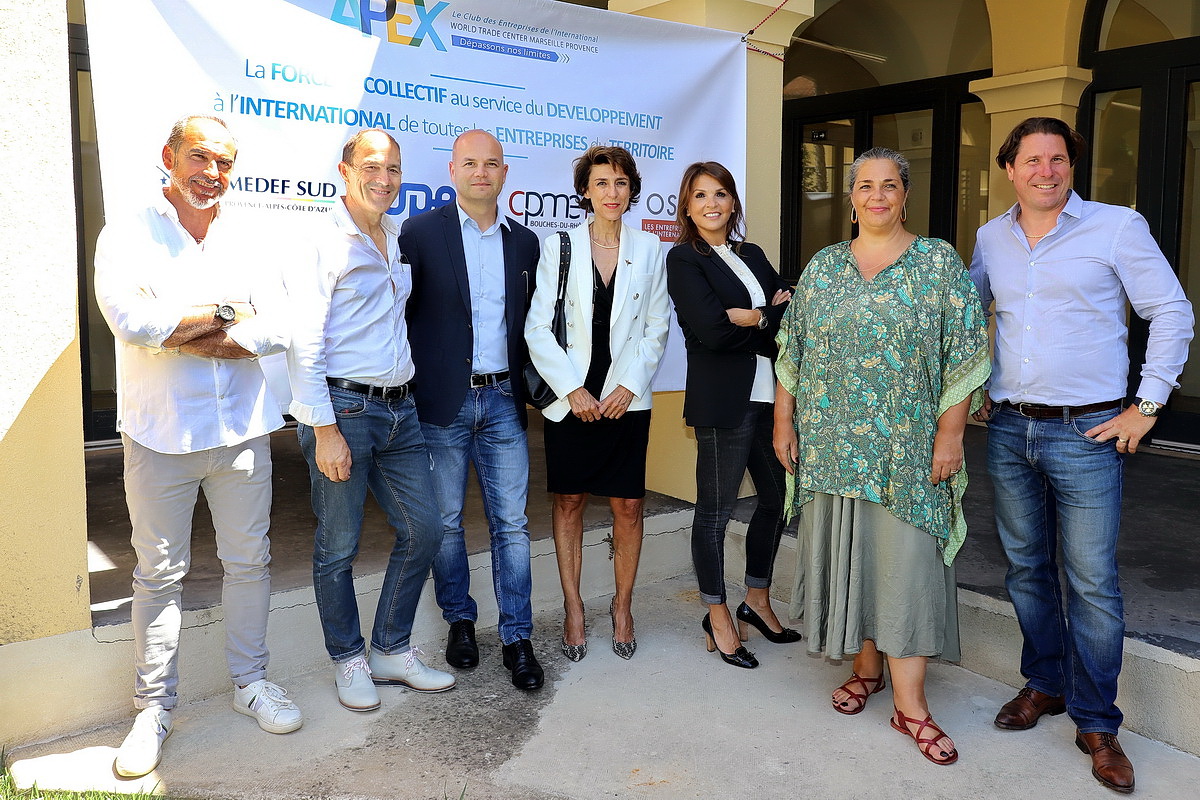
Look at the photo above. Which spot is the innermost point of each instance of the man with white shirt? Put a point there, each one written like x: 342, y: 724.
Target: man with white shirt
x: 192, y: 310
x: 1062, y: 272
x: 351, y: 374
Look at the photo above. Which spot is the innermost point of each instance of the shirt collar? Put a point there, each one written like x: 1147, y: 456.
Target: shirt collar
x: 346, y: 224
x: 1073, y: 208
x: 165, y: 207
x: 464, y: 219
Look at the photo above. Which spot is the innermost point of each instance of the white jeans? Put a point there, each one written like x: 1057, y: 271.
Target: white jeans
x: 160, y: 490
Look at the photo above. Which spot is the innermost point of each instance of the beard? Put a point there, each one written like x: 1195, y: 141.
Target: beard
x: 195, y: 200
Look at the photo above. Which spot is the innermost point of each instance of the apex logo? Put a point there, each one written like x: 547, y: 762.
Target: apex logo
x: 363, y: 14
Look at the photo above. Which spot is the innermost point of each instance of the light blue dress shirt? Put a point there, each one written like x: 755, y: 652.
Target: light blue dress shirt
x: 484, y: 252
x: 1060, y: 307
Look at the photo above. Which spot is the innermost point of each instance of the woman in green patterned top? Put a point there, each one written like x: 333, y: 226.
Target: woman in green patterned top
x: 882, y: 355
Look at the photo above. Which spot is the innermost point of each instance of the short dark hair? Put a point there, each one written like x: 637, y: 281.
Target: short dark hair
x: 1076, y: 144
x: 351, y: 145
x: 179, y: 128
x: 616, y: 157
x: 688, y: 232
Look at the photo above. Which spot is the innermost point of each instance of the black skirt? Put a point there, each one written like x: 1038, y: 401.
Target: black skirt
x: 606, y: 457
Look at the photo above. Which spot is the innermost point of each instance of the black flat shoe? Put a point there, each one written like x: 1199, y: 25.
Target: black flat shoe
x: 526, y: 671
x: 746, y: 614
x: 739, y: 658
x: 461, y: 650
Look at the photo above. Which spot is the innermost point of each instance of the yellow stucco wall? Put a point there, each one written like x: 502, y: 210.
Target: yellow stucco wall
x: 43, y: 533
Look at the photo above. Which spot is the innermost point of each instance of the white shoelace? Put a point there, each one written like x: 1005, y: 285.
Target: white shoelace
x: 356, y: 664
x: 273, y: 696
x: 413, y: 653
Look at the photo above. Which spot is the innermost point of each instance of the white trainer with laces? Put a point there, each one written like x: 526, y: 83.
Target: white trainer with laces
x: 354, y: 687
x: 406, y: 669
x: 142, y: 749
x: 269, y: 704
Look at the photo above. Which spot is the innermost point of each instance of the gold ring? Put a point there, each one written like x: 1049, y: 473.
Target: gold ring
x: 1122, y: 441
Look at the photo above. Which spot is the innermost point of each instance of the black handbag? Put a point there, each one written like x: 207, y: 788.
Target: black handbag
x: 537, y: 392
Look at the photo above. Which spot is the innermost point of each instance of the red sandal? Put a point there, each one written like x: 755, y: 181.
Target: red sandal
x: 861, y: 697
x: 925, y: 745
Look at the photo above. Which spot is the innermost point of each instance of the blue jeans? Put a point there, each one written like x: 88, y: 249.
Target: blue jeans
x: 389, y: 459
x: 722, y: 457
x: 488, y: 433
x: 1054, y: 486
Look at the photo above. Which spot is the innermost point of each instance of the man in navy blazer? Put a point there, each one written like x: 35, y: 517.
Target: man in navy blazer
x: 473, y: 274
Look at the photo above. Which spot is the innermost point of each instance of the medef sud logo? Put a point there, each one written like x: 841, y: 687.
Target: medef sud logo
x: 407, y: 22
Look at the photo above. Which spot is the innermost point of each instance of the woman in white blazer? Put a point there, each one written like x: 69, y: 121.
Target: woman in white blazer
x: 617, y: 312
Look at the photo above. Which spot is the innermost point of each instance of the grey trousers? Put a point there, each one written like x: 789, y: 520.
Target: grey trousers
x: 161, y: 491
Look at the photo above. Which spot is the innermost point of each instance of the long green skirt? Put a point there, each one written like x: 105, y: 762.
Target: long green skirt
x: 861, y: 573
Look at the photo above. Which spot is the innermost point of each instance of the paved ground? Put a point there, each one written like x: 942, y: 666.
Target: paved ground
x: 675, y: 722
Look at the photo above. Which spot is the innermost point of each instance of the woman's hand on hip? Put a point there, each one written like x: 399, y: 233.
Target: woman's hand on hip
x: 617, y: 403
x: 583, y: 405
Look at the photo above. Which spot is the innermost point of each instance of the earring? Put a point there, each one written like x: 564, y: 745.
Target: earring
x: 853, y: 215
x: 904, y: 212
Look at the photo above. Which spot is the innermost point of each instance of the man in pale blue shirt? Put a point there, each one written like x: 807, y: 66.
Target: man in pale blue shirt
x: 1061, y: 271
x: 473, y: 273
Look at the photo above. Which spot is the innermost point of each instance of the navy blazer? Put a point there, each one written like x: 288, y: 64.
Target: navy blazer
x: 439, y: 311
x: 720, y: 355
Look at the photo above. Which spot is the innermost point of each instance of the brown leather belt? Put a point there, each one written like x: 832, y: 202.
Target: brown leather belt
x: 383, y: 392
x: 1038, y: 411
x: 479, y: 381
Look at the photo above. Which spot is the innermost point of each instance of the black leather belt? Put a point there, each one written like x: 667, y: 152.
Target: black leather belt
x: 479, y: 381
x: 1038, y: 411
x: 383, y: 392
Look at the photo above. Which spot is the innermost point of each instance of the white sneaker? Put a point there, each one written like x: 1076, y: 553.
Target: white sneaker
x: 269, y: 704
x: 142, y: 749
x: 406, y: 669
x: 354, y: 687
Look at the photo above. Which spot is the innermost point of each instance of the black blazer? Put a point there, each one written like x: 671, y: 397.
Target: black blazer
x: 439, y: 311
x: 720, y: 355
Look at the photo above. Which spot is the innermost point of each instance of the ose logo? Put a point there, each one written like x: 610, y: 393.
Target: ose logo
x: 359, y: 14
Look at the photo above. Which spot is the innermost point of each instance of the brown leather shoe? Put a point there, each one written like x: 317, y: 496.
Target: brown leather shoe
x: 1022, y: 712
x: 1110, y: 765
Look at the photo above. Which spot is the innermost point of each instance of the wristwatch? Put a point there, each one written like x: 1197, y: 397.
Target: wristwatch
x: 1148, y: 408
x: 225, y: 313
x: 762, y: 319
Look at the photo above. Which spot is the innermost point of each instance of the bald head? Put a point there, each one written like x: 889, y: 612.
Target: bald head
x: 478, y: 171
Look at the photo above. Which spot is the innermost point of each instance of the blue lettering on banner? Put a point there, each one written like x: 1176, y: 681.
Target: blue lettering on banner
x: 417, y: 197
x: 504, y: 49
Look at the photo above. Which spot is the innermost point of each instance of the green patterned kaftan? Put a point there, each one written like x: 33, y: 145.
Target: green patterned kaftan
x: 872, y: 365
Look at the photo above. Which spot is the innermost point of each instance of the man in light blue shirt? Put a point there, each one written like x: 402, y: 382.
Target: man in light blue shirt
x: 1061, y: 271
x: 473, y: 274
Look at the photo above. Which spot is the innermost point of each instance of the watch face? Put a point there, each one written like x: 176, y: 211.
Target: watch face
x: 1148, y: 408
x: 226, y: 313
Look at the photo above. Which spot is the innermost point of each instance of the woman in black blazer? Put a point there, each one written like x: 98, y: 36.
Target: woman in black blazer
x: 729, y: 301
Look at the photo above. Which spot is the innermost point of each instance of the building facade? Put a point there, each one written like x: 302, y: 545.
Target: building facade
x: 944, y: 85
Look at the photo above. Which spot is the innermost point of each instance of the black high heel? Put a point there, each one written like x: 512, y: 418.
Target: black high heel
x: 747, y: 614
x: 739, y: 658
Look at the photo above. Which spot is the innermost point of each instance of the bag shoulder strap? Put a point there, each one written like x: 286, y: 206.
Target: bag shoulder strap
x: 564, y: 263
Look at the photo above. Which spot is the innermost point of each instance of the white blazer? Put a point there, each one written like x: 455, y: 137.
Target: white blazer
x: 637, y: 333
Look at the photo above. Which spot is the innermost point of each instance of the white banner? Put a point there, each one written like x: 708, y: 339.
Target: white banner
x: 294, y: 78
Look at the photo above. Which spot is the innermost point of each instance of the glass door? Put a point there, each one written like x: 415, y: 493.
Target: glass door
x: 826, y: 152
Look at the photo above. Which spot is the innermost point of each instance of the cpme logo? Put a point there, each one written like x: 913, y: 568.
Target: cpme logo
x: 415, y: 17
